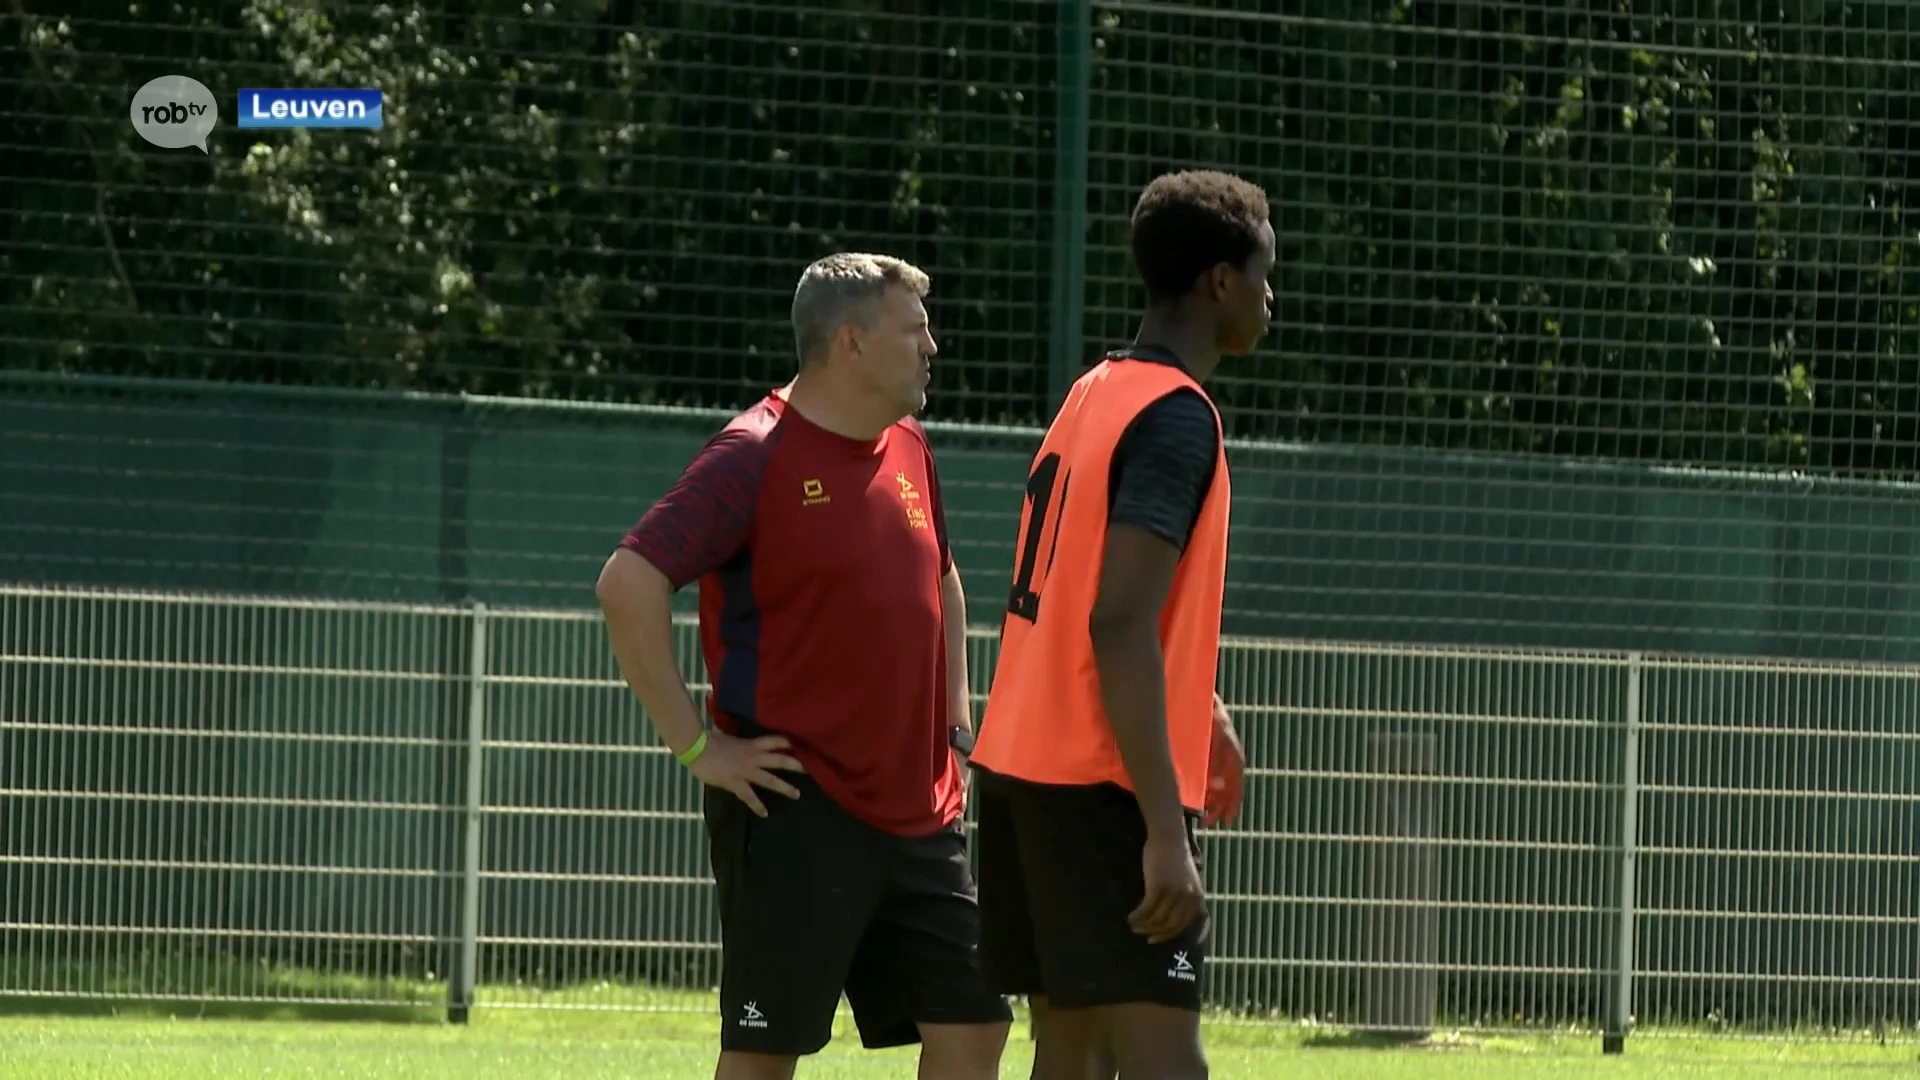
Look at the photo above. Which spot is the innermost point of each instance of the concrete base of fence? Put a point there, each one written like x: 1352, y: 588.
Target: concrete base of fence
x: 1401, y: 990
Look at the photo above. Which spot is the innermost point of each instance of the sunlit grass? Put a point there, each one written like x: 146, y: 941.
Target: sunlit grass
x: 100, y: 1023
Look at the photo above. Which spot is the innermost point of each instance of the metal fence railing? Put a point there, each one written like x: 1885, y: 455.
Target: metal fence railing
x: 236, y: 798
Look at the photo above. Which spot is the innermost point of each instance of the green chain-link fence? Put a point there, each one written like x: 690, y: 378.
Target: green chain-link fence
x: 1669, y: 231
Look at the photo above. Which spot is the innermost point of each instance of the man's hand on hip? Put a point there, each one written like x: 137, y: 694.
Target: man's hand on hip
x: 739, y: 765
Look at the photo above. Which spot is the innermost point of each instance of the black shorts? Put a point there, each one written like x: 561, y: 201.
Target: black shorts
x: 814, y: 902
x: 1059, y: 873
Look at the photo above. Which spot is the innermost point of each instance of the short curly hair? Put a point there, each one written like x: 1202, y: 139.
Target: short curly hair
x: 1186, y: 223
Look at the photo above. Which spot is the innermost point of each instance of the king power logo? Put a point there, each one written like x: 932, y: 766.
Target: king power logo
x: 752, y: 1017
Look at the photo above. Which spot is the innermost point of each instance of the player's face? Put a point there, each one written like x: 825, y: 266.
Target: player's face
x: 896, y: 352
x: 1246, y: 298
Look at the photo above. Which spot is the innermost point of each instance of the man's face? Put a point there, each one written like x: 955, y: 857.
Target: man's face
x: 1246, y: 299
x: 895, y: 351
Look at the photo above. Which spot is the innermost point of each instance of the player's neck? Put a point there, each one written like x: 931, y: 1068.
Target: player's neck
x: 1186, y: 338
x: 825, y: 405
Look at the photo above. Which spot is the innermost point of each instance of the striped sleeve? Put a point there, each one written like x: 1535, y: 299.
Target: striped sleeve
x: 706, y: 518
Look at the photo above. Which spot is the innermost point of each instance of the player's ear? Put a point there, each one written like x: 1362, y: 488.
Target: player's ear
x: 1220, y: 282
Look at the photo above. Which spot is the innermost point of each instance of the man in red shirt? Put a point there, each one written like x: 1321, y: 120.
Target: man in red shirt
x: 834, y: 631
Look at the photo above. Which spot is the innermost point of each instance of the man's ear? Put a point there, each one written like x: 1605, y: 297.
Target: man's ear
x: 1219, y: 282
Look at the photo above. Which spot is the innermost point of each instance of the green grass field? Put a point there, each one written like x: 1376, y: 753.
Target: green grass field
x: 102, y: 1033
x: 146, y: 1044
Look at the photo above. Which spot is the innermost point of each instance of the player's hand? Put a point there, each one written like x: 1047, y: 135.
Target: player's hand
x: 739, y: 765
x: 1226, y: 768
x: 1174, y: 894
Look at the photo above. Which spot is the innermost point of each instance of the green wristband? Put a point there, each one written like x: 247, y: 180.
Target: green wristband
x: 692, y: 753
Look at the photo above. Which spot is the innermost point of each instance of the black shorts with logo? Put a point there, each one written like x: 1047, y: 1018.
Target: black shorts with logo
x: 814, y: 902
x: 1059, y: 874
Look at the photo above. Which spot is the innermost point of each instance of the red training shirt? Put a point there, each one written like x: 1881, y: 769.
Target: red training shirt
x: 819, y: 559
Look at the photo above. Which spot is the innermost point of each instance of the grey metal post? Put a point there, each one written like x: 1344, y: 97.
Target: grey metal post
x: 1620, y: 1018
x: 1072, y: 117
x: 1402, y: 983
x: 460, y: 990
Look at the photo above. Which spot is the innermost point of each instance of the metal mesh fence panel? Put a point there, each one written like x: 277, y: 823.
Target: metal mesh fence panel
x: 1666, y: 231
x: 1432, y: 834
x: 1777, y: 847
x: 222, y: 799
x: 232, y: 799
x: 597, y: 884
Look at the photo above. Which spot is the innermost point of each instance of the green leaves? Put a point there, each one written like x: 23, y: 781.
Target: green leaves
x: 1528, y: 227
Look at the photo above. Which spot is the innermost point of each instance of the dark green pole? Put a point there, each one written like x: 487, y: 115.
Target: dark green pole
x: 1064, y: 352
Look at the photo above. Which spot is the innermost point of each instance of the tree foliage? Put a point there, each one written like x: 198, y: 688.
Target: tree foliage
x: 1668, y: 230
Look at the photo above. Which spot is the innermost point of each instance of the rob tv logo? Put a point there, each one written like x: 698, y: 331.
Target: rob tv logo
x: 174, y: 111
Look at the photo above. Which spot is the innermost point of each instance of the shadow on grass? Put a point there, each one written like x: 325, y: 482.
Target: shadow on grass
x: 1360, y: 1040
x: 162, y: 1009
x: 204, y: 988
x: 166, y: 987
x: 1369, y: 1040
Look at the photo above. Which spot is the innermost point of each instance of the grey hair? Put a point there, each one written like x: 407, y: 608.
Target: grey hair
x: 842, y: 288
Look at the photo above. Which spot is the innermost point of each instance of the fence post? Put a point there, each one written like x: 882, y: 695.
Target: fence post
x: 1402, y: 984
x: 1620, y: 1015
x: 1073, y: 79
x: 460, y: 989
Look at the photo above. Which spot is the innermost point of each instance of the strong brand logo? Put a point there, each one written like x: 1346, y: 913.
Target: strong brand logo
x: 1182, y: 968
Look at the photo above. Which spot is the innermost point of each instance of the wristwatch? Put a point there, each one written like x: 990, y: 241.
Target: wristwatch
x: 961, y: 740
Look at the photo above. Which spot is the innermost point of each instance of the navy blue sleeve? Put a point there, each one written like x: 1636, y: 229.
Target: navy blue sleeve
x: 706, y: 518
x: 1163, y: 467
x: 936, y: 504
x: 939, y: 515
